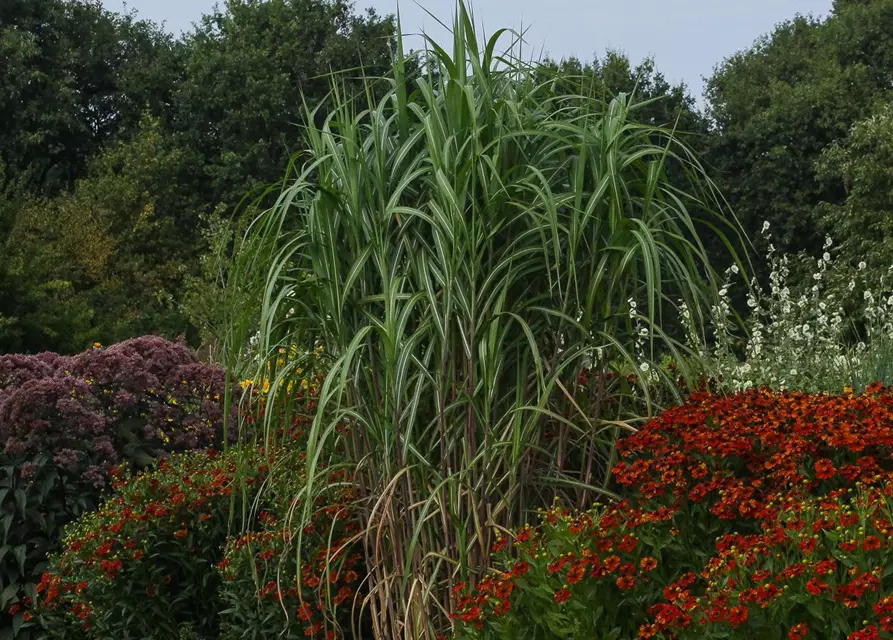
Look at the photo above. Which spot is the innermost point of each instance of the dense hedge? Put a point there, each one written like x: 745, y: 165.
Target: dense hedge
x: 67, y: 422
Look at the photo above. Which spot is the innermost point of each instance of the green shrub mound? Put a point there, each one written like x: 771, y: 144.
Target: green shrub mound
x: 169, y: 556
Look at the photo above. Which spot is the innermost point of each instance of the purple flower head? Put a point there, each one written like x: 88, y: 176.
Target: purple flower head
x: 67, y: 459
x: 94, y: 476
x: 16, y: 370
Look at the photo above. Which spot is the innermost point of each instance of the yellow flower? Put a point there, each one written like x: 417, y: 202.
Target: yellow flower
x: 97, y: 345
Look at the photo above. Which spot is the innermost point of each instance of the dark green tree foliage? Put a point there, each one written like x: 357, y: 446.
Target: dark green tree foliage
x: 863, y: 164
x: 776, y: 107
x: 615, y: 74
x: 74, y: 78
x: 105, y: 261
x: 117, y: 142
x: 250, y: 66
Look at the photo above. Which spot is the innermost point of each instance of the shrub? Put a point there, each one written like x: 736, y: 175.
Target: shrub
x: 66, y: 422
x: 144, y: 564
x: 823, y: 323
x: 709, y: 485
x: 195, y: 547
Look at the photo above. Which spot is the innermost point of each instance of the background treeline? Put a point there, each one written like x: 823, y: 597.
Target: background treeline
x: 125, y: 152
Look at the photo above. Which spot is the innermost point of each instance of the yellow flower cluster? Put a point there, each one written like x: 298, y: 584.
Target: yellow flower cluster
x: 284, y: 356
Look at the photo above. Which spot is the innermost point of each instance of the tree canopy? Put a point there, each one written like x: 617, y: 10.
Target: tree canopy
x: 117, y: 142
x: 126, y: 152
x: 777, y: 106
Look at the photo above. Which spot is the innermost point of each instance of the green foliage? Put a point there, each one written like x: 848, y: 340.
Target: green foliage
x: 193, y: 548
x: 106, y: 261
x: 300, y: 592
x: 75, y: 77
x: 863, y: 163
x: 779, y: 104
x: 250, y: 69
x: 120, y: 139
x: 823, y: 323
x: 743, y: 515
x: 615, y: 74
x: 144, y: 564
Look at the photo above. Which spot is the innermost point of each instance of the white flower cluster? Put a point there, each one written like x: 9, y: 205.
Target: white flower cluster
x: 809, y: 335
x: 642, y: 346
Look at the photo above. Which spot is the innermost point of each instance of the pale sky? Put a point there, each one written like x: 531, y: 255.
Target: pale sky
x: 686, y: 37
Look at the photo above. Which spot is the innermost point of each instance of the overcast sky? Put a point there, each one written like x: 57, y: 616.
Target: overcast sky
x: 686, y: 37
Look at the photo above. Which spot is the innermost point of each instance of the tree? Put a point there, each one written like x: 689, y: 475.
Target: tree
x: 672, y: 106
x: 106, y: 260
x: 863, y: 164
x: 249, y: 69
x: 776, y: 106
x: 75, y: 78
x: 117, y: 142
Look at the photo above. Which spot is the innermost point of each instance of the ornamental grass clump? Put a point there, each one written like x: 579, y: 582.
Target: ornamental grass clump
x: 462, y: 249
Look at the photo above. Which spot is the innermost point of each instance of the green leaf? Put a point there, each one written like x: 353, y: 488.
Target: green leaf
x: 21, y: 501
x: 8, y: 594
x: 20, y: 551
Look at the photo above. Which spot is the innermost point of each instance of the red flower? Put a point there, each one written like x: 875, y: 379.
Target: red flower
x: 577, y: 572
x: 625, y: 583
x: 798, y: 631
x: 824, y: 469
x: 648, y: 564
x: 815, y: 587
x: 868, y: 633
x: 627, y: 543
x: 871, y: 543
x: 562, y: 595
x: 737, y: 616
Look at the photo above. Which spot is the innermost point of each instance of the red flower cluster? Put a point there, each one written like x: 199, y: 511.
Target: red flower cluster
x: 737, y: 453
x: 573, y: 557
x: 182, y: 500
x: 829, y: 552
x: 787, y: 491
